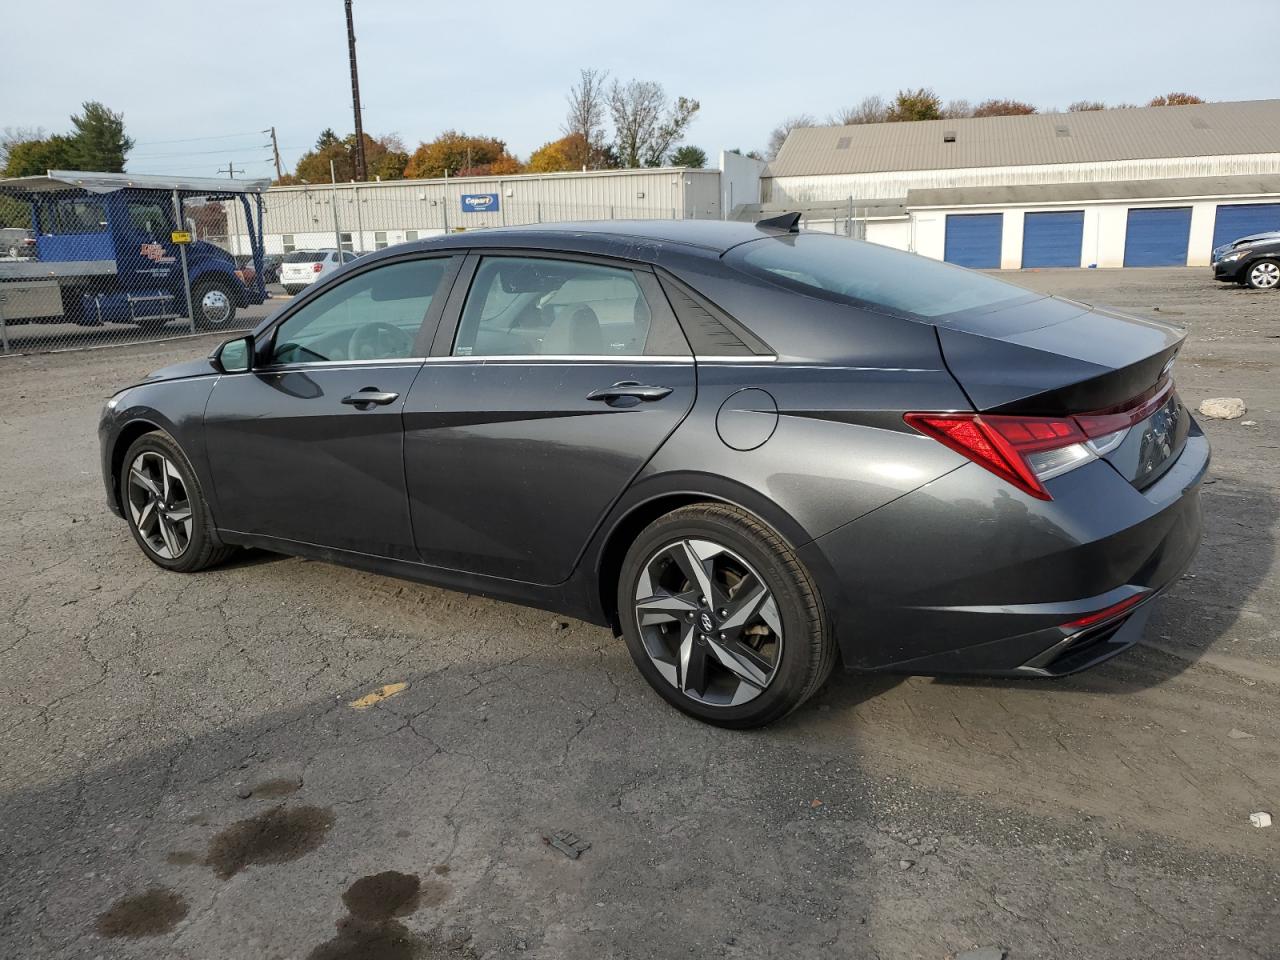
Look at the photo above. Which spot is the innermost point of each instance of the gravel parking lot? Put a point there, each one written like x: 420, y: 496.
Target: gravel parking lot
x: 184, y: 775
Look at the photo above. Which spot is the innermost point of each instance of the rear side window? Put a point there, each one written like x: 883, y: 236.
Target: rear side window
x: 871, y: 274
x: 526, y: 306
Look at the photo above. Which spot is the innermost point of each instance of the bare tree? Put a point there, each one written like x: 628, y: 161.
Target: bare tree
x: 1086, y: 106
x: 871, y: 109
x: 645, y: 125
x: 957, y: 109
x: 779, y: 133
x: 584, y: 123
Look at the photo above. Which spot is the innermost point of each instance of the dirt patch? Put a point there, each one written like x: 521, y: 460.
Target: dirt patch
x: 278, y: 787
x: 277, y: 835
x: 146, y: 914
x: 183, y: 858
x: 383, y: 896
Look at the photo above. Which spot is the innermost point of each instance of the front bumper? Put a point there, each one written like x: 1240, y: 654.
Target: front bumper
x: 1229, y: 271
x: 967, y: 575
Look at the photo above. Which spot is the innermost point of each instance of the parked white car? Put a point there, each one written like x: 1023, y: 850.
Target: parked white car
x: 304, y: 267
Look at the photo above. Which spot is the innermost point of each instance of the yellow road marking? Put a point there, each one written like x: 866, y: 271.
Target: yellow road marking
x: 382, y: 693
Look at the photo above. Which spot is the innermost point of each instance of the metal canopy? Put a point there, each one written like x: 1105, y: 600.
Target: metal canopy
x: 57, y: 180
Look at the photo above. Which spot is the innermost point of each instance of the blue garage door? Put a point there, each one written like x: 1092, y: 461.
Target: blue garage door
x: 1157, y: 238
x: 1052, y: 239
x: 973, y: 239
x: 1236, y: 220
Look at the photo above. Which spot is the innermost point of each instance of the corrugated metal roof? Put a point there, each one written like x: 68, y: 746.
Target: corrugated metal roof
x: 1176, y: 187
x: 1195, y: 130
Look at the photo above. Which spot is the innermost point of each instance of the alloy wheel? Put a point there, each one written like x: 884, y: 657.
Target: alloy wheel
x: 1265, y: 275
x: 708, y: 622
x: 159, y: 505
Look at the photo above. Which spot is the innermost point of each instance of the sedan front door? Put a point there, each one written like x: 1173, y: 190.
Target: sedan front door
x: 563, y: 377
x: 308, y: 446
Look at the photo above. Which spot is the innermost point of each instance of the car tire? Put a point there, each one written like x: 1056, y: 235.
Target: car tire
x: 214, y: 303
x: 1264, y: 275
x: 155, y: 502
x: 701, y: 666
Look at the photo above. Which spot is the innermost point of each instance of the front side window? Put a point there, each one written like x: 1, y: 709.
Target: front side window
x: 72, y: 217
x: 373, y: 316
x: 149, y: 219
x: 526, y: 306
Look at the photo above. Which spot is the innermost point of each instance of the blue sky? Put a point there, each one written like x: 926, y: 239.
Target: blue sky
x: 196, y: 81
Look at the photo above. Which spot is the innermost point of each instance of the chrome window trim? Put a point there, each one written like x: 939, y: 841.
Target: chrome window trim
x: 322, y: 364
x: 563, y: 358
x: 740, y: 358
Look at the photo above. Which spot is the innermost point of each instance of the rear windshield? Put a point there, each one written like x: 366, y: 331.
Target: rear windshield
x: 305, y: 256
x: 868, y: 273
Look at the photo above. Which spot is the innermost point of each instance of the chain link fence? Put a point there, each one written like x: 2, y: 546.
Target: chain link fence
x: 90, y: 260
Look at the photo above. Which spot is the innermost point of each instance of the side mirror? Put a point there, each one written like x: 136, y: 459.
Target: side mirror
x: 234, y: 356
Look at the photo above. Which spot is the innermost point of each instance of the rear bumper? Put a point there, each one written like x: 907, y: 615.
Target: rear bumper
x: 969, y: 576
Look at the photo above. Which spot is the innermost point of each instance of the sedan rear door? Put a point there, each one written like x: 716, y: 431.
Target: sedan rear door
x: 556, y: 382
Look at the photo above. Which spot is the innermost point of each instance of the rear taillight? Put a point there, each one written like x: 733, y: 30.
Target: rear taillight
x: 1026, y: 451
x: 317, y: 268
x: 1107, y: 613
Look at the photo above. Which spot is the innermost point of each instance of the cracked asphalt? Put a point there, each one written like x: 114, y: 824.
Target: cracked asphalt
x: 182, y: 774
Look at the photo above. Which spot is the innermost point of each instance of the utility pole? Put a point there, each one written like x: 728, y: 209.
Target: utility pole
x: 337, y: 231
x: 230, y: 170
x: 355, y: 94
x: 275, y: 152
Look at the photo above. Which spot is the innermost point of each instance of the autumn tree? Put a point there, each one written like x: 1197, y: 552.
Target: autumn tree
x: 1174, y: 100
x: 871, y: 109
x: 457, y: 154
x: 585, y: 120
x: 557, y: 156
x: 645, y: 124
x: 919, y: 104
x: 689, y: 156
x: 778, y: 135
x: 385, y: 158
x: 33, y: 158
x: 100, y: 140
x: 1003, y: 108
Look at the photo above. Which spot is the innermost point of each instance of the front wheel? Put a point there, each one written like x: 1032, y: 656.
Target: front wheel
x: 214, y: 303
x: 1265, y: 275
x: 165, y: 507
x: 722, y: 618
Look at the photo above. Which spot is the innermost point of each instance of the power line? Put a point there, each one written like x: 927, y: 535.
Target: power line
x: 218, y: 136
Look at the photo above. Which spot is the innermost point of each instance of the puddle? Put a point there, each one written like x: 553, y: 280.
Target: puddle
x: 144, y: 915
x: 383, y: 896
x: 277, y: 835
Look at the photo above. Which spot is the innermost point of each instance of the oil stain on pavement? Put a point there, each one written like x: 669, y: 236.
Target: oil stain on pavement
x: 146, y: 914
x: 371, y: 932
x: 277, y: 835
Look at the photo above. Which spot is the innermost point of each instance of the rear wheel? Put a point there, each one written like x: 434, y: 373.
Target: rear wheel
x: 722, y: 618
x: 1265, y: 275
x: 214, y: 303
x: 165, y: 507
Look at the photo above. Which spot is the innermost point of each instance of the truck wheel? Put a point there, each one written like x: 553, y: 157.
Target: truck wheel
x: 214, y: 303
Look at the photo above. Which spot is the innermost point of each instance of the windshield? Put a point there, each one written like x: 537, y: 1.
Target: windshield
x: 870, y: 273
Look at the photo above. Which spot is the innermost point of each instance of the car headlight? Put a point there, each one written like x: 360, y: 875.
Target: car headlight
x: 1227, y: 258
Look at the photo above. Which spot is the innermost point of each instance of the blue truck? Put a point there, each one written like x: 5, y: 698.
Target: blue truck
x: 124, y: 248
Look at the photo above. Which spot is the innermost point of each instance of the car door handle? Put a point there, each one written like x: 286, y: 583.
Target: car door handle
x: 629, y: 390
x: 370, y: 396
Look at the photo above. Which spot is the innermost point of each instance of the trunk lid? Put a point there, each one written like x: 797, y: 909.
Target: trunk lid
x: 1058, y: 358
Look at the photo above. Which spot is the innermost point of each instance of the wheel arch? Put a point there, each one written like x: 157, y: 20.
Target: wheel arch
x: 633, y: 516
x: 125, y: 438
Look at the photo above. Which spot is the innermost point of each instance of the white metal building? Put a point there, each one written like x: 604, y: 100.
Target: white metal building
x: 370, y: 216
x: 1152, y: 186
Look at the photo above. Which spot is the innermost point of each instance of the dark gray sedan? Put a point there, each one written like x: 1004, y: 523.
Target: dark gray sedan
x: 752, y: 451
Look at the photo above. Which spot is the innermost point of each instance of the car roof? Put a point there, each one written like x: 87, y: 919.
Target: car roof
x: 642, y: 240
